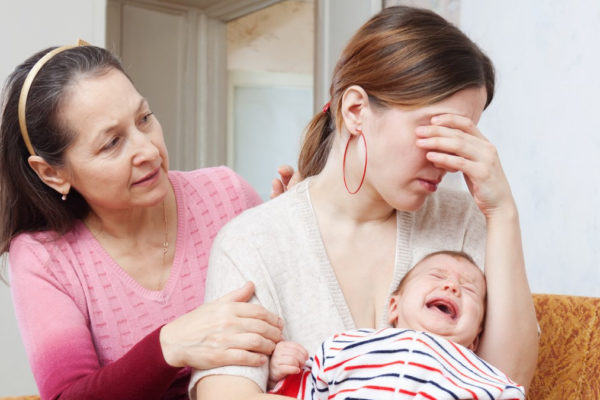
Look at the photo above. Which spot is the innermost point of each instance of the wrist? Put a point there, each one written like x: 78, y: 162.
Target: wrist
x: 505, y: 213
x: 169, y: 349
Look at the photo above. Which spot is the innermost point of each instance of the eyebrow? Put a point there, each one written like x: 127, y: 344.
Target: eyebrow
x: 143, y: 102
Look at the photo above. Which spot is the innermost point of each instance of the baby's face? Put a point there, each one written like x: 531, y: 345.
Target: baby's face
x: 444, y: 295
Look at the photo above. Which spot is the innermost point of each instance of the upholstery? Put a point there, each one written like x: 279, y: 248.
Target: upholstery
x: 569, y: 357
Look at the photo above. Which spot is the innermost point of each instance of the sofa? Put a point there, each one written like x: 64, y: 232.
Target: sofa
x: 569, y: 358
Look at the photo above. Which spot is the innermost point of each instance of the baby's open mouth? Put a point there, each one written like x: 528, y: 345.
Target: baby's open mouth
x: 445, y: 306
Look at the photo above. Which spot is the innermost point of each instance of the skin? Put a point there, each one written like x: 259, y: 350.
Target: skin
x: 448, y: 280
x: 118, y: 162
x: 442, y: 277
x: 409, y: 151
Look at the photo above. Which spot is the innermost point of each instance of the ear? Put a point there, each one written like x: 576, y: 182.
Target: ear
x: 473, y: 346
x: 393, y: 310
x: 51, y: 176
x: 355, y: 101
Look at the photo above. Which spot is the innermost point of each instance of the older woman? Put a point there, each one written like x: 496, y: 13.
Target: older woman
x: 108, y: 249
x: 406, y: 96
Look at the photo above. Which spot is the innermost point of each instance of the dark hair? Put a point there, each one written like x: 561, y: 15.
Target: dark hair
x: 452, y: 253
x: 402, y: 56
x: 26, y: 203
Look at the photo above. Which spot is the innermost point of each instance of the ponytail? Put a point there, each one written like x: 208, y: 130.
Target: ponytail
x: 317, y: 143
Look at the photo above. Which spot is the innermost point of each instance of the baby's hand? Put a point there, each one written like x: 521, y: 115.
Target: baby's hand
x: 288, y: 358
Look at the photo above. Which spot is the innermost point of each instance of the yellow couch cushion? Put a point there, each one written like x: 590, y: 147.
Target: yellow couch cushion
x: 569, y: 357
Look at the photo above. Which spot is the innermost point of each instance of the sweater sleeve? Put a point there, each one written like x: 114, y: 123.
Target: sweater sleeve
x: 233, y: 262
x: 55, y: 331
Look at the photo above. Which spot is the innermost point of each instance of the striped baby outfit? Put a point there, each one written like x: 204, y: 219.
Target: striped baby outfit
x: 397, y: 364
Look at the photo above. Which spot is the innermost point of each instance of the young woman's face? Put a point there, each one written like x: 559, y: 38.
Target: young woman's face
x: 444, y: 295
x: 397, y: 170
x: 118, y: 159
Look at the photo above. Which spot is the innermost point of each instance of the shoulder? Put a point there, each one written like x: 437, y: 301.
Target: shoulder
x: 208, y: 179
x: 44, y: 256
x: 278, y: 217
x: 31, y: 249
x: 215, y: 185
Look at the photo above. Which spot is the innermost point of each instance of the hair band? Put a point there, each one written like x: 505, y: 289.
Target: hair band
x: 27, y: 85
x: 326, y: 107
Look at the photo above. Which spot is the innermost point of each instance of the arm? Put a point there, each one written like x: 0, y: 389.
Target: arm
x: 510, y: 339
x: 60, y: 347
x: 234, y: 260
x: 62, y: 352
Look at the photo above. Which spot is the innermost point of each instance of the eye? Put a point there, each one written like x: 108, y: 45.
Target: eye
x: 470, y: 289
x: 146, y: 118
x: 112, y: 143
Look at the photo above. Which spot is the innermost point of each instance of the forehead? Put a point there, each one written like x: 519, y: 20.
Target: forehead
x: 94, y: 101
x: 450, y: 263
x: 468, y: 103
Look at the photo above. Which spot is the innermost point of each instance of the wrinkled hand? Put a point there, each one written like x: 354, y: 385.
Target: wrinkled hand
x: 287, y: 359
x: 228, y: 331
x: 454, y: 143
x: 288, y: 178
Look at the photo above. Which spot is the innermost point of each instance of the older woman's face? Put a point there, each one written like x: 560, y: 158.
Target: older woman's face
x: 118, y: 159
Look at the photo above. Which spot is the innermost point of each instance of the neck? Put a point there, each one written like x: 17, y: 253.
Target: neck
x: 135, y: 222
x: 328, y: 192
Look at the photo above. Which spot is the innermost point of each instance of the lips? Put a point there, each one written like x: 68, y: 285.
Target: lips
x: 443, y: 305
x: 430, y: 185
x: 147, y: 177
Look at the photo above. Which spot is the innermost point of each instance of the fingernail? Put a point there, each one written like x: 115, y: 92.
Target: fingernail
x: 435, y: 120
x: 420, y: 129
x: 421, y: 142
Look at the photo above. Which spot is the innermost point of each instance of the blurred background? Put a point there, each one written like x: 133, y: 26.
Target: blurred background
x: 235, y: 82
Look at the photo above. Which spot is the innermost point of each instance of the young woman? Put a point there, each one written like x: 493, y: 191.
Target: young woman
x: 406, y: 96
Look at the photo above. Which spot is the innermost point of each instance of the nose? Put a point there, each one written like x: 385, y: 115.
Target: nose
x: 144, y: 149
x: 451, y: 286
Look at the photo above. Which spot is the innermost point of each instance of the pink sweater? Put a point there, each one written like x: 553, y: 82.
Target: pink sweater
x: 81, y: 315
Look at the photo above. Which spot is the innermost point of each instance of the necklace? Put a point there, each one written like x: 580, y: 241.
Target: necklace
x: 165, y: 248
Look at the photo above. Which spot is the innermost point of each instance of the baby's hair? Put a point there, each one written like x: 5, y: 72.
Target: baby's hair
x: 452, y: 253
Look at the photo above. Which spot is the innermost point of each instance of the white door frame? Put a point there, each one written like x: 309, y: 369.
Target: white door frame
x: 202, y: 138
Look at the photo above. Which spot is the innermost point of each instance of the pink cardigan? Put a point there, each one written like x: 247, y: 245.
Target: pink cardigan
x: 89, y: 329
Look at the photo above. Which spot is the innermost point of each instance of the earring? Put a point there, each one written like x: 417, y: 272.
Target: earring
x: 64, y: 197
x: 362, y: 179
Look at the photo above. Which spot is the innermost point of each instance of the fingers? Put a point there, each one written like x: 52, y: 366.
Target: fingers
x: 242, y: 294
x: 281, y: 371
x: 288, y: 178
x: 277, y: 188
x: 256, y: 311
x: 458, y: 122
x: 265, y: 329
x: 285, y: 172
x: 247, y: 341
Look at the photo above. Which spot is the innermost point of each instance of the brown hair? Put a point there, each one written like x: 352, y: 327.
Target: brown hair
x: 402, y: 56
x: 26, y: 203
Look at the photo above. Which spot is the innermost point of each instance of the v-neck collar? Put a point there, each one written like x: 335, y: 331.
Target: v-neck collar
x: 402, y: 259
x: 160, y: 296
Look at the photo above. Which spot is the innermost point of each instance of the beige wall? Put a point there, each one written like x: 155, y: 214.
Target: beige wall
x: 278, y: 38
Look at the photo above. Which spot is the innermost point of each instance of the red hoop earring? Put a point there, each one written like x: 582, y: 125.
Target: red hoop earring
x: 362, y: 179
